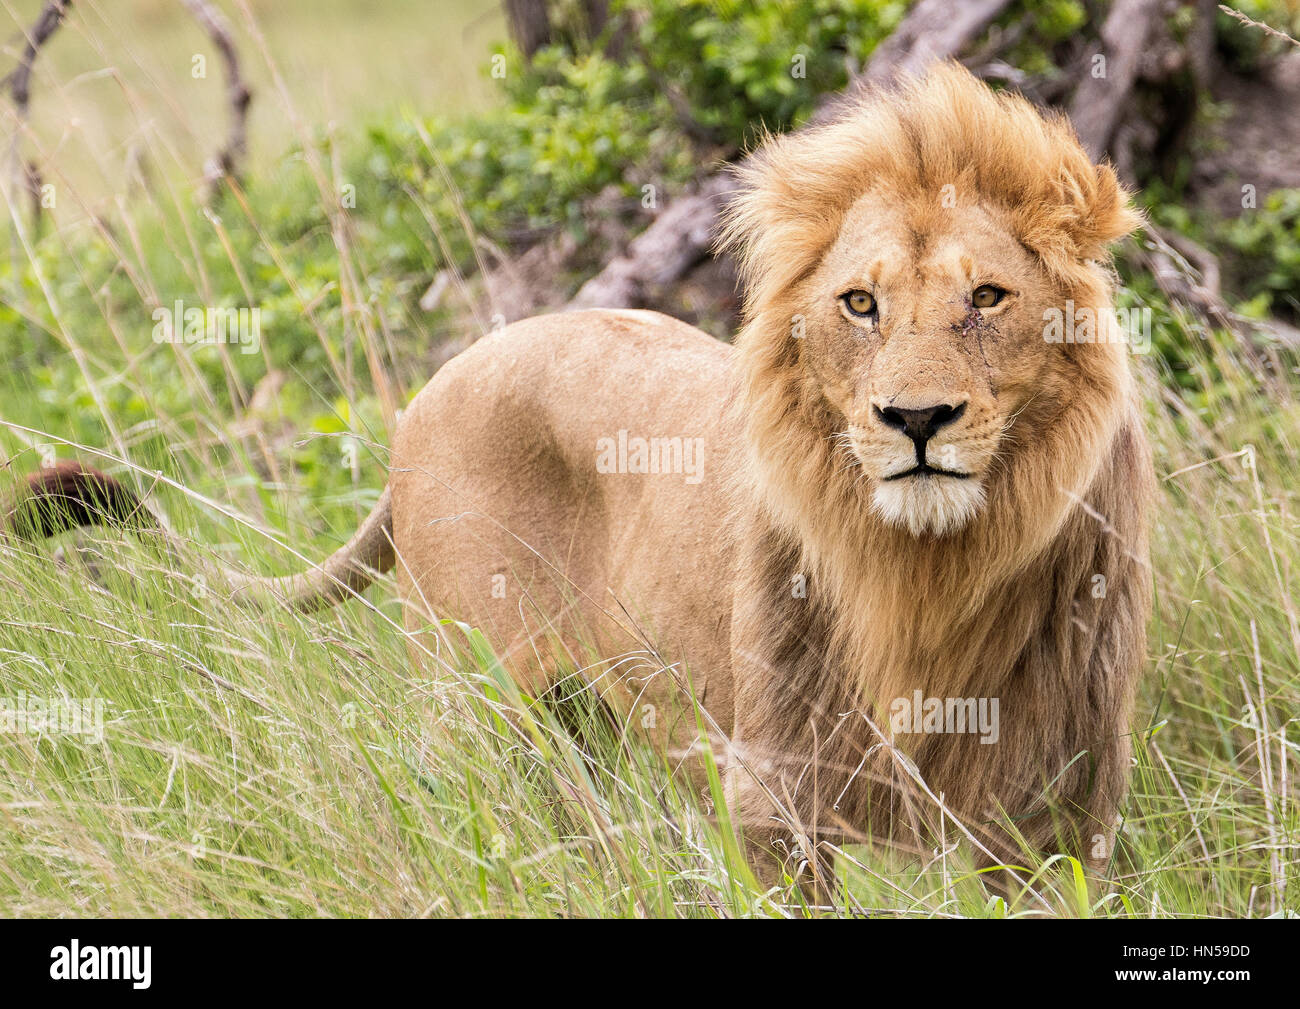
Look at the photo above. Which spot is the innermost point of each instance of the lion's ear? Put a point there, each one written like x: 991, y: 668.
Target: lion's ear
x: 780, y: 214
x: 1099, y: 210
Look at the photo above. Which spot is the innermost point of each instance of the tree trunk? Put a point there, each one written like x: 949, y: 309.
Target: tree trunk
x: 529, y: 26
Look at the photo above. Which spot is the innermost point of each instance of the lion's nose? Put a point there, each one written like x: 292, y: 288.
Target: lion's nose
x: 920, y: 425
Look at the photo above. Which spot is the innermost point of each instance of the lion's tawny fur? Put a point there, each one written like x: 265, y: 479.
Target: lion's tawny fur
x: 800, y: 585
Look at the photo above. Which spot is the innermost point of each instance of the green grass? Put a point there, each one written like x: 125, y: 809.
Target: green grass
x: 294, y: 765
x: 273, y: 766
x: 281, y: 764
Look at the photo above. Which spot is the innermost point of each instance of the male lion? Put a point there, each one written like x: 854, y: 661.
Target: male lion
x: 897, y: 499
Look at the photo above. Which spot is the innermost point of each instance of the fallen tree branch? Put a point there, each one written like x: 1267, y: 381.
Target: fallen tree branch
x: 47, y: 23
x: 933, y: 30
x: 19, y: 83
x: 678, y: 239
x: 228, y: 159
x: 1101, y: 98
x: 1188, y: 275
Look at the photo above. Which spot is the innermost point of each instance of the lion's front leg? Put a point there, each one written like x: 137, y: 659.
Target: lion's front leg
x: 791, y: 769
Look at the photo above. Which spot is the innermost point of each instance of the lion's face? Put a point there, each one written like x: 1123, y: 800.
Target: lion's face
x: 923, y: 328
x: 904, y: 264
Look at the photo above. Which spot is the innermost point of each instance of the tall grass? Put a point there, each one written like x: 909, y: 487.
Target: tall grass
x: 281, y: 764
x: 119, y: 80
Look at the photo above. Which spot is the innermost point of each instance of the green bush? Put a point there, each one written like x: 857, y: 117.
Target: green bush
x: 582, y: 117
x: 739, y: 64
x: 1266, y: 268
x: 1045, y: 25
x: 571, y: 126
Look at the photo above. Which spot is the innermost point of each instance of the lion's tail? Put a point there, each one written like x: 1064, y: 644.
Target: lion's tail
x: 68, y: 495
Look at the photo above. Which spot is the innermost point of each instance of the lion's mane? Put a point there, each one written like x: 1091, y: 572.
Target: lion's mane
x: 1008, y: 607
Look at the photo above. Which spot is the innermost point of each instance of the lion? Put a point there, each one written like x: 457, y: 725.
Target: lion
x: 895, y: 510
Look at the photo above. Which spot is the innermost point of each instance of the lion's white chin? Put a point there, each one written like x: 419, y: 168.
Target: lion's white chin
x: 928, y: 504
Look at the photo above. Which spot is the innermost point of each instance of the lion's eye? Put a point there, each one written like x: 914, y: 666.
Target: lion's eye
x: 986, y: 296
x: 859, y: 303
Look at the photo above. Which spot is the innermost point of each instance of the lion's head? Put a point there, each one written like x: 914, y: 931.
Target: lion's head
x: 905, y: 265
